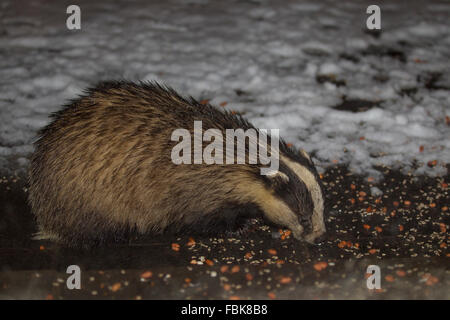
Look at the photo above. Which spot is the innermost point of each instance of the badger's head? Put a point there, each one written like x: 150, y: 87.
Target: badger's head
x: 296, y: 200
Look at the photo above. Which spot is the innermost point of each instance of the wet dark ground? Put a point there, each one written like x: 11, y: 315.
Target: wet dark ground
x: 403, y: 231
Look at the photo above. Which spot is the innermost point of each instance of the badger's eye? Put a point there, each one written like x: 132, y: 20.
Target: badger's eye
x: 305, y: 222
x: 304, y: 219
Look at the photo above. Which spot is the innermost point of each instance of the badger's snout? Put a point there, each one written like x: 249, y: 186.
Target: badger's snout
x: 318, y: 232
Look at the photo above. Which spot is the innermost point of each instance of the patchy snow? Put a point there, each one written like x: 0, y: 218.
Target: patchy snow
x: 285, y: 65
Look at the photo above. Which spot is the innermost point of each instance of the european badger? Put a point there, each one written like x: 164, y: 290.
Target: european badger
x: 102, y: 170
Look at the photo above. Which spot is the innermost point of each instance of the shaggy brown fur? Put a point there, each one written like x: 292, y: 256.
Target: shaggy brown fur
x: 102, y: 169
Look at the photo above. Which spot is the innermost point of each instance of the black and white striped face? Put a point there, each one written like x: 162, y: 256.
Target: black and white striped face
x: 297, y: 185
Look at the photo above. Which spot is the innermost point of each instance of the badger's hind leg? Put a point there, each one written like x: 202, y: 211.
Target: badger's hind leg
x: 86, y: 231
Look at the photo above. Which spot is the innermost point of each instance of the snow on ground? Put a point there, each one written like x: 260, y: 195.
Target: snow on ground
x: 284, y: 64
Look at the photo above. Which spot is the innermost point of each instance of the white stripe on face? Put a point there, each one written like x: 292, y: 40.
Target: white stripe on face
x: 318, y: 225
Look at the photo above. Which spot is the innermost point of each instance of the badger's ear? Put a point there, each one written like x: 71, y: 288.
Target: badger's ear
x: 305, y: 154
x: 276, y: 175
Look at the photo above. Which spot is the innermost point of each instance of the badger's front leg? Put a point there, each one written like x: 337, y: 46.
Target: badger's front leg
x: 242, y: 227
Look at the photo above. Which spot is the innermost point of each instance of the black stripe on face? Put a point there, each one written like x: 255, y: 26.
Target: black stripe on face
x: 295, y: 195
